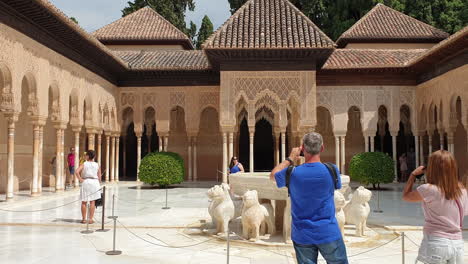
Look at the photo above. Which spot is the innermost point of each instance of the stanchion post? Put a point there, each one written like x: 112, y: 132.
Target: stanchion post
x: 166, y: 207
x: 87, y: 231
x: 103, y: 211
x: 403, y: 247
x: 378, y: 210
x: 114, y: 252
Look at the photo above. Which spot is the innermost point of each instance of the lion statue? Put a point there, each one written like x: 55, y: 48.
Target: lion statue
x: 357, y: 210
x: 221, y: 208
x: 340, y: 203
x: 256, y: 217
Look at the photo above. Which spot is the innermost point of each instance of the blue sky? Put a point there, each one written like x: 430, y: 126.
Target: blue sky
x: 93, y: 14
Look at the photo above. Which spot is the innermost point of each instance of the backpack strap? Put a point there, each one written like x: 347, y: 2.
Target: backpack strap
x: 332, y: 171
x: 288, y: 176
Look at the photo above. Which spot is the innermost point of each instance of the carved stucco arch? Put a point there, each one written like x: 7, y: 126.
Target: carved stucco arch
x: 410, y: 119
x: 330, y: 112
x: 6, y: 93
x: 32, y: 107
x: 55, y: 105
x: 360, y: 115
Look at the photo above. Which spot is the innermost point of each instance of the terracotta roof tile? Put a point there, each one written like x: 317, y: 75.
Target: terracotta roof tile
x: 371, y: 58
x: 165, y: 60
x: 268, y: 24
x: 142, y: 25
x: 384, y: 24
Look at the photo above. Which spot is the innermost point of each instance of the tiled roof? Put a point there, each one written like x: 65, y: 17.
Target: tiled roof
x: 268, y: 24
x: 165, y: 60
x: 371, y: 58
x: 384, y: 24
x: 142, y: 25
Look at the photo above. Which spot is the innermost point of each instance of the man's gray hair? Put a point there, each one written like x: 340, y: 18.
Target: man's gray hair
x: 312, y: 143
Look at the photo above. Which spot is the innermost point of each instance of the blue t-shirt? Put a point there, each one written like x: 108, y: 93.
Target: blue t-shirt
x: 235, y: 169
x: 312, y: 189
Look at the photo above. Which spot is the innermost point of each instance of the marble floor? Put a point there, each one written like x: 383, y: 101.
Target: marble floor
x: 146, y: 233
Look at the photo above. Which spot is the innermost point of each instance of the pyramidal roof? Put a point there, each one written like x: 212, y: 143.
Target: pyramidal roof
x: 384, y: 24
x: 268, y: 24
x: 144, y: 25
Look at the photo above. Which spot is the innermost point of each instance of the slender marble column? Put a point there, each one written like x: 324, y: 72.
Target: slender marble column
x: 160, y: 143
x: 416, y: 146
x: 77, y: 154
x: 35, y: 178
x: 231, y: 146
x: 138, y: 156
x: 117, y: 156
x: 366, y: 143
x: 59, y: 159
x: 112, y: 159
x: 343, y: 154
x: 91, y: 140
x: 372, y: 144
x: 225, y: 158
x: 99, y: 149
x: 283, y: 146
x: 430, y: 144
x: 107, y: 174
x: 124, y: 155
x: 41, y: 157
x: 337, y: 151
x: 195, y: 160
x: 421, y: 152
x: 190, y: 159
x: 450, y: 142
x: 394, y: 150
x: 11, y: 119
x: 251, y: 150
x: 166, y: 143
x: 442, y: 140
x: 277, y: 148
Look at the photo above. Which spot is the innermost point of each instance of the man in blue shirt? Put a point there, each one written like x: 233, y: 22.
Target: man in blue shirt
x: 311, y: 186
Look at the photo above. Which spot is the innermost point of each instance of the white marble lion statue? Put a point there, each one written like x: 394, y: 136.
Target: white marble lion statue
x: 340, y: 203
x: 221, y: 208
x: 357, y: 210
x: 256, y: 217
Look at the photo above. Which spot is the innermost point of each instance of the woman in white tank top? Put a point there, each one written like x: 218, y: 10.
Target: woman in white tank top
x: 89, y: 174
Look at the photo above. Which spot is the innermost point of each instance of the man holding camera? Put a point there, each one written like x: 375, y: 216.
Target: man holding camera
x: 311, y: 186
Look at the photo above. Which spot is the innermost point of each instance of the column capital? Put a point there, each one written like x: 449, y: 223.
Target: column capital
x: 12, y: 117
x: 228, y: 129
x: 107, y: 134
x: 339, y: 133
x: 60, y: 125
x: 38, y: 120
x: 91, y: 130
x: 369, y: 133
x: 394, y: 133
x: 76, y: 128
x: 139, y: 134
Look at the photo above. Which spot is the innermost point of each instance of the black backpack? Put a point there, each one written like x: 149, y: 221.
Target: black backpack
x: 329, y: 166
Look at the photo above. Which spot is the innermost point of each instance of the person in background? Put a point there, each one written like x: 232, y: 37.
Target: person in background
x: 314, y: 226
x: 71, y: 166
x: 403, y: 167
x: 89, y: 174
x: 235, y: 166
x: 445, y: 203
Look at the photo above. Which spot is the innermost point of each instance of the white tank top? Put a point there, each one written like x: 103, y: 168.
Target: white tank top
x: 90, y: 170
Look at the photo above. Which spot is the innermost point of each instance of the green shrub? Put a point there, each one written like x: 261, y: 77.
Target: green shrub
x: 162, y: 168
x: 372, y: 168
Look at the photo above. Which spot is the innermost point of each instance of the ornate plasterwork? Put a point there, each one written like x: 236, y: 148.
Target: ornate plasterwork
x: 127, y: 99
x: 209, y: 99
x: 178, y: 99
x: 281, y: 86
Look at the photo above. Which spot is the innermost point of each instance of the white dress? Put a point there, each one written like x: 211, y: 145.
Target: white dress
x: 90, y: 187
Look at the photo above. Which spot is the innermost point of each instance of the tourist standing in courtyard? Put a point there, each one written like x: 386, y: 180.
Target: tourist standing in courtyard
x: 403, y: 167
x: 89, y: 174
x: 71, y: 165
x: 235, y: 166
x: 314, y: 226
x: 445, y: 203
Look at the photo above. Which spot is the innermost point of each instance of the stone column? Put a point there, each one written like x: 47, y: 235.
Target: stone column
x: 41, y: 157
x: 231, y: 146
x: 225, y: 157
x: 416, y: 147
x: 117, y: 156
x: 107, y: 174
x: 195, y: 160
x: 166, y: 142
x: 138, y: 154
x: 366, y: 143
x: 337, y: 151
x: 442, y: 140
x: 372, y: 143
x: 421, y: 152
x: 12, y: 118
x: 251, y: 149
x: 160, y: 143
x: 394, y: 151
x: 112, y: 159
x: 91, y: 139
x: 277, y: 148
x: 99, y: 148
x: 59, y: 158
x: 36, y: 142
x: 190, y: 158
x: 76, y: 131
x: 283, y: 146
x: 343, y: 154
x: 430, y: 144
x: 450, y: 142
x: 124, y: 155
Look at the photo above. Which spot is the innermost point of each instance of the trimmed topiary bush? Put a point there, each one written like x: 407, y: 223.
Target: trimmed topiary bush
x: 162, y: 168
x: 372, y: 168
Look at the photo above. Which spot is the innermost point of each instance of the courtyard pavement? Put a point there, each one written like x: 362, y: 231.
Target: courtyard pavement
x: 146, y: 233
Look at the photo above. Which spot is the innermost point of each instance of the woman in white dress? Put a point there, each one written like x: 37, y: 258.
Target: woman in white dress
x: 89, y: 174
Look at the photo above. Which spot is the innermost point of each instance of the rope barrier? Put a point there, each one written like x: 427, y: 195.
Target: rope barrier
x: 372, y: 249
x: 412, y: 241
x: 47, y: 209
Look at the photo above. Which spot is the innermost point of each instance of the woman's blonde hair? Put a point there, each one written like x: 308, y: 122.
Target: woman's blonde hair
x: 442, y: 171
